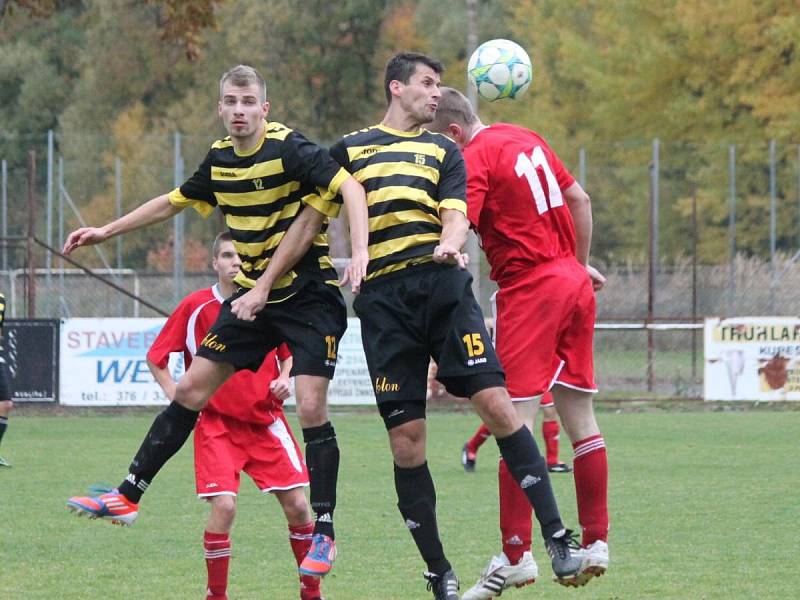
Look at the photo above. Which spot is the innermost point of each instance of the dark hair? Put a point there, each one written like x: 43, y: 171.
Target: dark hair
x: 403, y: 65
x: 453, y: 108
x: 225, y: 236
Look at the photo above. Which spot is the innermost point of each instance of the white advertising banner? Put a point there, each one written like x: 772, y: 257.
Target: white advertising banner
x: 752, y: 358
x: 351, y: 384
x: 103, y: 363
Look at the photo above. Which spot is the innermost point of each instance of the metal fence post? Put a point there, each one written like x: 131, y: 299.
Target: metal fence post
x: 4, y: 195
x: 653, y: 262
x: 31, y: 267
x: 731, y: 228
x: 63, y: 312
x: 49, y: 218
x: 773, y: 224
x: 177, y: 226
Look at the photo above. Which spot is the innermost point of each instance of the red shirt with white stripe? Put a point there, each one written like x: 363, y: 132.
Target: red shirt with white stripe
x: 514, y: 199
x: 246, y: 395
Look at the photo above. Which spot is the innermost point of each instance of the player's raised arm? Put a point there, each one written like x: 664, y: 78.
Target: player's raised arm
x: 153, y: 211
x: 355, y: 201
x: 292, y: 247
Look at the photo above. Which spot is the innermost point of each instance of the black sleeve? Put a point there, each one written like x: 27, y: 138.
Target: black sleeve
x: 307, y: 162
x: 198, y: 186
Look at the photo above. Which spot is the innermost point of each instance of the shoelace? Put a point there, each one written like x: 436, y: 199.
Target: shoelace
x: 321, y: 549
x: 563, y: 545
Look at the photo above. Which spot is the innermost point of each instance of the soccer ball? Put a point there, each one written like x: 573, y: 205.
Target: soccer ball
x: 499, y: 69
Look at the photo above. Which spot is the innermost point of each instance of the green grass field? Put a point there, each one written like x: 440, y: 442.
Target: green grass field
x: 704, y: 505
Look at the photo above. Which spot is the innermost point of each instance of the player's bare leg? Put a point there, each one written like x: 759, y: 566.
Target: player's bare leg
x: 528, y: 468
x: 416, y: 500
x: 322, y: 458
x: 169, y: 431
x: 301, y: 528
x: 576, y: 410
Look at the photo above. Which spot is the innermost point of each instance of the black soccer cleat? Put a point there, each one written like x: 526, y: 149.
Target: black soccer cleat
x: 444, y: 586
x: 468, y: 459
x: 566, y: 563
x: 559, y: 467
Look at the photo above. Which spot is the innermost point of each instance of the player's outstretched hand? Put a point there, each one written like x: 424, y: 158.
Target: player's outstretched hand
x: 85, y: 236
x: 598, y: 279
x: 280, y: 387
x: 249, y: 304
x: 446, y: 254
x: 355, y: 272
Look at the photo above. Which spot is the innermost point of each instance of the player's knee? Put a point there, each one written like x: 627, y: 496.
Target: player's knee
x: 408, y: 444
x: 189, y: 395
x: 296, y: 509
x: 223, y: 509
x: 311, y: 409
x: 5, y: 407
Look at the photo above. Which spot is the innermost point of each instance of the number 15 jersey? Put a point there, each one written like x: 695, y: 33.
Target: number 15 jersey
x: 515, y: 201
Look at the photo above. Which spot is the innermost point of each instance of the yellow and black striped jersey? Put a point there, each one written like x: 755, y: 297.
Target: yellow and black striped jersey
x: 2, y: 309
x: 408, y: 178
x: 260, y: 193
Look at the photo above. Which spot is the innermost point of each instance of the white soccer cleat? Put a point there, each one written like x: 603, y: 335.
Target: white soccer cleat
x: 594, y: 562
x: 500, y: 575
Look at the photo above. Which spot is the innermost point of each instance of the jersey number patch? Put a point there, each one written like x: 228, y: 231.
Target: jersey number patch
x: 526, y: 167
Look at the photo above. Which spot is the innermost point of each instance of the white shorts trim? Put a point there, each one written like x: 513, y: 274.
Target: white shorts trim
x: 527, y: 398
x: 575, y: 387
x: 283, y: 489
x: 212, y: 494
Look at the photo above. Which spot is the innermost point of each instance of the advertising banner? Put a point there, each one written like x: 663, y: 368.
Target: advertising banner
x: 351, y: 384
x: 752, y: 358
x: 103, y: 362
x: 30, y: 351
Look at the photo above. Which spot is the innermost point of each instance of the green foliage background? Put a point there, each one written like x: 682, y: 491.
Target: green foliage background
x: 113, y: 78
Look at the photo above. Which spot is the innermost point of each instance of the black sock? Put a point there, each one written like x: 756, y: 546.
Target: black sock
x: 322, y: 459
x: 169, y: 431
x: 3, y: 426
x: 528, y: 467
x: 416, y: 499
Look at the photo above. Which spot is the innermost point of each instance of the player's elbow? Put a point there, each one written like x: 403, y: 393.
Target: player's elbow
x: 577, y: 198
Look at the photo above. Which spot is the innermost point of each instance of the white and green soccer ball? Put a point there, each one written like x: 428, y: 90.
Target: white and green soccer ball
x: 500, y: 69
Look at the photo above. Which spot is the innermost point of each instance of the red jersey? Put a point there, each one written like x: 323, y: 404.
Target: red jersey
x: 515, y: 200
x: 245, y: 396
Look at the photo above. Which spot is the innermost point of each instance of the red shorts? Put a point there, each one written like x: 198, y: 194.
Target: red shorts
x: 224, y: 447
x: 544, y: 329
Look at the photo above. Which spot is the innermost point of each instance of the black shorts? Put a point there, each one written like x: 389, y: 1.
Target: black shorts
x: 311, y: 323
x: 5, y: 381
x: 418, y: 313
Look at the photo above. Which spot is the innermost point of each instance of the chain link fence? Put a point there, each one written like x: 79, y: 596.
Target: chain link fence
x: 682, y: 230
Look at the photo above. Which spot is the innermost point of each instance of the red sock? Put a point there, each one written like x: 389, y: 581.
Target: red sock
x: 300, y: 540
x: 477, y: 439
x: 516, y: 516
x: 591, y: 488
x: 550, y: 431
x: 218, y: 553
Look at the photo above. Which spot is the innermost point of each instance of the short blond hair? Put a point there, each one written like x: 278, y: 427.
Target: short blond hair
x: 454, y: 107
x: 241, y: 76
